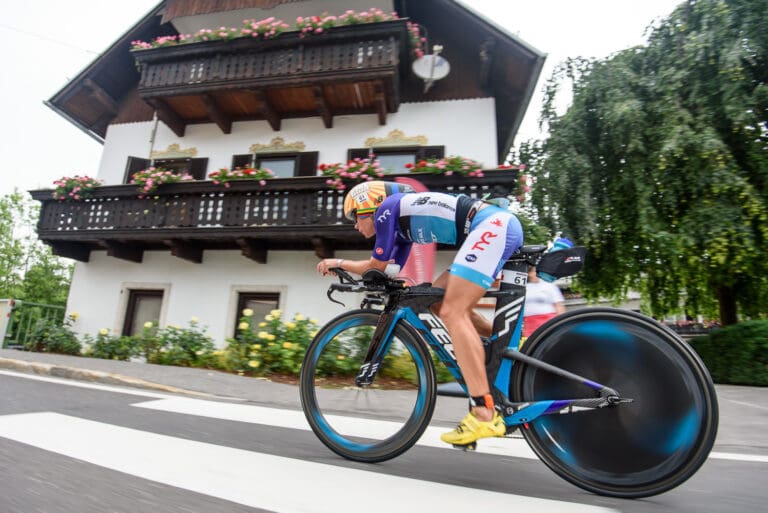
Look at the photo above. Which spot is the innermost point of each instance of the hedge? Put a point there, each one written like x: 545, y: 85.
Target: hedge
x: 736, y: 354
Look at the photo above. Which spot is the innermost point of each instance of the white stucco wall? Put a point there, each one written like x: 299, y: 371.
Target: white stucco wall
x: 464, y: 127
x: 207, y: 291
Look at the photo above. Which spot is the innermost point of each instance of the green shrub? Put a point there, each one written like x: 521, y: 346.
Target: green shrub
x: 736, y: 354
x: 48, y: 336
x: 110, y: 347
x: 184, y: 347
x: 271, y: 346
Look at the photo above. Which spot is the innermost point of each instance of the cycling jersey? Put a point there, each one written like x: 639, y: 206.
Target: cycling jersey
x: 486, y: 237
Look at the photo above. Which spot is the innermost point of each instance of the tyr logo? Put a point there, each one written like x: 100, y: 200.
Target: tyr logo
x: 383, y: 217
x: 496, y: 222
x: 480, y: 245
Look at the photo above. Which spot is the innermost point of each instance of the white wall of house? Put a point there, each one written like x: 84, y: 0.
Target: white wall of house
x: 472, y: 135
x: 207, y: 291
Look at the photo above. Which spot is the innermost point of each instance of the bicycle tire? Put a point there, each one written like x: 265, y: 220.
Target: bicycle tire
x: 397, y: 410
x: 629, y: 450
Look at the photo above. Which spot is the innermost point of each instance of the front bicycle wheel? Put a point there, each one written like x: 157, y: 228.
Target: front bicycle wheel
x: 373, y: 423
x: 635, y: 449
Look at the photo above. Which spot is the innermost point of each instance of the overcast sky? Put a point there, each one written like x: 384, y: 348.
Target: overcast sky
x: 47, y: 42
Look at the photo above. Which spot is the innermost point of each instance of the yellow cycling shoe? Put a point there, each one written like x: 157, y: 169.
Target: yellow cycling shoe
x: 471, y: 429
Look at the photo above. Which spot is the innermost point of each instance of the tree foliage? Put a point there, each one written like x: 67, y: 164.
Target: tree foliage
x: 660, y: 165
x: 28, y: 269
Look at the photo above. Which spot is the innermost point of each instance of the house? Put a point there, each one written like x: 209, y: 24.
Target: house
x: 287, y: 103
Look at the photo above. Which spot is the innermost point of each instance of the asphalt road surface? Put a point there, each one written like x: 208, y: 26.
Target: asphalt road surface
x: 67, y: 446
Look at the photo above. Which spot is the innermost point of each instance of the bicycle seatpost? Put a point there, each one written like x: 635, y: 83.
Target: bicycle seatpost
x: 510, y: 306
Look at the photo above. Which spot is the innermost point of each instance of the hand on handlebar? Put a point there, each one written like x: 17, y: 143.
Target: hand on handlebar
x: 326, y: 265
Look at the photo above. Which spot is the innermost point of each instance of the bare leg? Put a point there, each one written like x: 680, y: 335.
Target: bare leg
x: 456, y: 313
x: 482, y: 325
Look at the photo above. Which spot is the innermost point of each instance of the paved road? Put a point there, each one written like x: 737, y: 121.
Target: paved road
x: 65, y: 446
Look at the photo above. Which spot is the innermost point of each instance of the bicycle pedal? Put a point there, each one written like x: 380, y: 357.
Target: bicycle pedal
x: 466, y: 447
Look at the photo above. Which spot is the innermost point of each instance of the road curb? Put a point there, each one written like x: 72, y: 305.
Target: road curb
x: 107, y: 378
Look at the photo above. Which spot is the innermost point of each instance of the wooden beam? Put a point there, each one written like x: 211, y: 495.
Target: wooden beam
x: 168, y: 116
x: 124, y: 251
x: 487, y: 53
x: 380, y: 102
x: 101, y: 96
x: 323, y: 248
x: 322, y: 107
x: 216, y: 114
x: 73, y: 250
x: 185, y: 250
x: 269, y: 112
x: 254, y: 249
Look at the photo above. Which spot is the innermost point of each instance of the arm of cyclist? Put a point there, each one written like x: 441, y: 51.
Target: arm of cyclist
x: 353, y: 266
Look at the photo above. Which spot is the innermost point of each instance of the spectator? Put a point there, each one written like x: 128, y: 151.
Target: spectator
x: 543, y: 300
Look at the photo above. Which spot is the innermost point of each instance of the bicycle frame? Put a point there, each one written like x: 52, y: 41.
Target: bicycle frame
x: 413, y: 308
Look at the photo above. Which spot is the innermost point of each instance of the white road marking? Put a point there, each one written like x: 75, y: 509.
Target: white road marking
x: 747, y: 404
x: 93, y: 386
x: 352, y: 426
x: 288, y: 418
x: 257, y: 480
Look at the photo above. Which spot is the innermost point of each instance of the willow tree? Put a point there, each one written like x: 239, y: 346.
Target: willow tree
x: 660, y: 164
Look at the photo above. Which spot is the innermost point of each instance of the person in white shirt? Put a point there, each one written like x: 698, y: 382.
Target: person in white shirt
x: 543, y: 301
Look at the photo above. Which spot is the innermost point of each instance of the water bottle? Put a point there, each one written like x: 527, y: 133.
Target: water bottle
x: 560, y: 243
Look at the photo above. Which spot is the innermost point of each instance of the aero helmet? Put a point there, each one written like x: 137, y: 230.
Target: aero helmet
x: 365, y: 198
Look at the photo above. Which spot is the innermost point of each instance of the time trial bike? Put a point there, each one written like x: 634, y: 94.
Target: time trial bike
x: 610, y: 400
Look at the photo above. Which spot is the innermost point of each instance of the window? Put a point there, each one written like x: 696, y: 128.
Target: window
x: 393, y: 160
x: 284, y: 165
x: 195, y: 167
x: 143, y: 306
x: 260, y: 302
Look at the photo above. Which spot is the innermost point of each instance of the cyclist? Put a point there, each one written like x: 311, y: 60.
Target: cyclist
x: 485, y: 235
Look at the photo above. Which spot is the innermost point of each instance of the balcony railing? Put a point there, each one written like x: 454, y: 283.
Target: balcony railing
x: 347, y: 69
x: 189, y: 217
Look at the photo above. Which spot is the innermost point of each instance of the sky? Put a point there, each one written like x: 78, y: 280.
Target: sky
x: 48, y: 42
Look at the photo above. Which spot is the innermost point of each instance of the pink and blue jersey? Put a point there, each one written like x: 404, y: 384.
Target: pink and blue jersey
x: 486, y: 235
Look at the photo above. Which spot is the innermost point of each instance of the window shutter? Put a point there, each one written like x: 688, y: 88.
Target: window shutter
x: 430, y: 152
x: 134, y: 165
x: 242, y: 161
x: 198, y: 167
x: 357, y: 153
x: 307, y: 163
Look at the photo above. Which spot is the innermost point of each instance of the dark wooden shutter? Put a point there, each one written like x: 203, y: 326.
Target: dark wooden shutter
x: 134, y: 165
x: 306, y: 164
x: 357, y: 153
x: 242, y: 161
x: 430, y: 152
x: 198, y: 168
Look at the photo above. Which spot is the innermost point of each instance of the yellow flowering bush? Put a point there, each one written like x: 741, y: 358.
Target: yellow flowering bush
x: 271, y: 346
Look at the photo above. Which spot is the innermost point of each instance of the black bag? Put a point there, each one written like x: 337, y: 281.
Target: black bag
x: 561, y: 263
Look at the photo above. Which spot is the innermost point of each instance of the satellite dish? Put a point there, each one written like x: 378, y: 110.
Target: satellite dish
x: 431, y: 67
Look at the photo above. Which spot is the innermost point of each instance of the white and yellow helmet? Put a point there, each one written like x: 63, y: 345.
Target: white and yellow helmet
x: 365, y: 198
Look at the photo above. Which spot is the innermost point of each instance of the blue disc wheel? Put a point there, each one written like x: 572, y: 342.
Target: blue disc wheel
x: 635, y: 449
x: 376, y: 422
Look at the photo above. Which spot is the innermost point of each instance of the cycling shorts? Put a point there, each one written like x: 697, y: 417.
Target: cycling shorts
x: 494, y: 235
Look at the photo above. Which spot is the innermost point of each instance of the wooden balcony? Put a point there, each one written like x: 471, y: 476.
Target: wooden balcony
x: 190, y: 217
x: 348, y: 70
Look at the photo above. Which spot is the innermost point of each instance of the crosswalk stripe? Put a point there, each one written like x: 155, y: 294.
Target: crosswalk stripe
x: 501, y: 446
x: 351, y: 426
x: 253, y: 479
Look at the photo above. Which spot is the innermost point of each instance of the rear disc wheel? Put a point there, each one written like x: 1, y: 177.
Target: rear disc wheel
x: 634, y: 449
